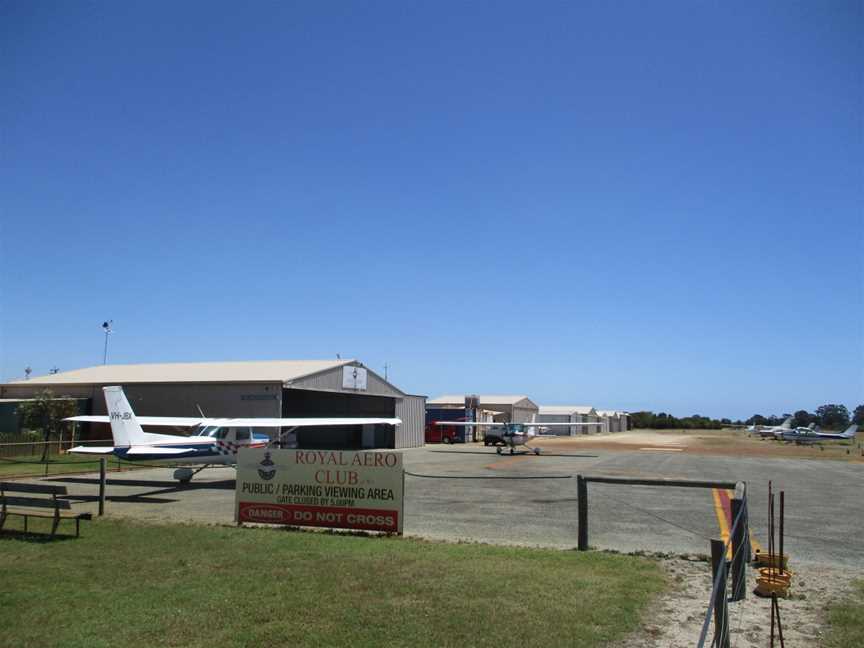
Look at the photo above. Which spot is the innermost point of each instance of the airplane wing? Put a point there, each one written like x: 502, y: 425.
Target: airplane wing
x: 538, y: 424
x: 180, y: 421
x: 154, y: 450
x: 526, y: 424
x: 298, y: 422
x: 168, y: 421
x: 848, y: 434
x: 92, y: 450
x: 467, y: 423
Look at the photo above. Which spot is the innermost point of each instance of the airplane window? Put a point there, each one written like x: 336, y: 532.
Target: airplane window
x: 208, y: 431
x: 242, y: 434
x: 220, y: 433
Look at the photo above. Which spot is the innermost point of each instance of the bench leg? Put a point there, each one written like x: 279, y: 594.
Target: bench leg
x: 25, y: 524
x: 54, y: 526
x: 77, y: 524
x: 2, y: 520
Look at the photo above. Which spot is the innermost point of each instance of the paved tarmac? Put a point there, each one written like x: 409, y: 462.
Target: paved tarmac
x: 464, y: 498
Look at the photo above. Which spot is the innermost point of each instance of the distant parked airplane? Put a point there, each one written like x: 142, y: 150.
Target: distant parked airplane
x: 517, y: 434
x: 217, y: 441
x: 807, y: 436
x: 770, y: 430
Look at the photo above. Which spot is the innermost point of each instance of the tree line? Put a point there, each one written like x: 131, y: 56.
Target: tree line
x: 829, y: 417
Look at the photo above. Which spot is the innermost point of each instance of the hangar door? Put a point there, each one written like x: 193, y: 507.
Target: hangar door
x: 308, y: 403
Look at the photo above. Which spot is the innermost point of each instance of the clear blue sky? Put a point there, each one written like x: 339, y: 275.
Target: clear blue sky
x: 646, y: 205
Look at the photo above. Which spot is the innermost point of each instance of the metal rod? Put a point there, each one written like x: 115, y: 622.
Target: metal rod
x: 773, y: 599
x: 782, y: 499
x: 779, y: 625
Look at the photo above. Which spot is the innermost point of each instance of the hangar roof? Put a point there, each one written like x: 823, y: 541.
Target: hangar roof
x: 611, y: 413
x: 498, y: 399
x: 173, y: 372
x: 567, y: 409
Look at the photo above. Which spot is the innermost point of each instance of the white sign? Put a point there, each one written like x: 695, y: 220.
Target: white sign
x: 354, y: 378
x: 325, y: 488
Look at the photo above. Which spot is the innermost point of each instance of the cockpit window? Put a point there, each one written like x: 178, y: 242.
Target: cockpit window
x: 208, y: 431
x: 243, y: 434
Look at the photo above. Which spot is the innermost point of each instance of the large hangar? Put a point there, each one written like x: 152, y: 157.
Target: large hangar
x: 277, y: 388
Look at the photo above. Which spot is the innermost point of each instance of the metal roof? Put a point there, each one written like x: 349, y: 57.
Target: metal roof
x: 182, y: 372
x: 567, y: 409
x: 459, y: 399
x: 608, y: 413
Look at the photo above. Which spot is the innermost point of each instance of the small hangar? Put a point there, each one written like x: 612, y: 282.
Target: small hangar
x: 570, y: 414
x: 513, y: 409
x: 277, y: 388
x: 614, y: 420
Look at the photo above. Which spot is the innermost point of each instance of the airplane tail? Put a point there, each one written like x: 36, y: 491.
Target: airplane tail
x: 850, y: 432
x: 124, y: 426
x: 787, y: 424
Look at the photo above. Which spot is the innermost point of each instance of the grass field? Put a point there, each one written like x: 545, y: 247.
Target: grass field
x: 125, y: 584
x: 846, y: 621
x: 31, y: 465
x: 56, y: 465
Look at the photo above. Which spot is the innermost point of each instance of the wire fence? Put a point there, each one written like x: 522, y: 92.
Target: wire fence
x: 717, y: 611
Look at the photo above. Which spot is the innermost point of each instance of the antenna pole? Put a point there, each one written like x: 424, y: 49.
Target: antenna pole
x: 106, y: 326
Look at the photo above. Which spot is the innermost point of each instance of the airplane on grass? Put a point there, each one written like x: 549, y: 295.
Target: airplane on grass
x: 216, y: 442
x: 517, y: 434
x: 809, y: 436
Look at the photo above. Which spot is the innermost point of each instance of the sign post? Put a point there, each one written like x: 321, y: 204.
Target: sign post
x: 339, y: 489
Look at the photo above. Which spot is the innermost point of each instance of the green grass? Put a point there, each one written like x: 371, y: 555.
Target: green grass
x: 58, y: 465
x: 31, y: 465
x: 846, y: 620
x: 125, y: 584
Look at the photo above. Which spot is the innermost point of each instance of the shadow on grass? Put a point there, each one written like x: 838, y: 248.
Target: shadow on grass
x: 14, y: 535
x: 149, y: 497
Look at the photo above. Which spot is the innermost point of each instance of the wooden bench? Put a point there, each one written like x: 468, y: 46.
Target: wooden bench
x: 28, y: 506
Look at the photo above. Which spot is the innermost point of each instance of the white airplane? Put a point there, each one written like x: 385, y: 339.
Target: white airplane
x: 809, y: 436
x: 216, y: 442
x: 517, y: 434
x: 770, y: 431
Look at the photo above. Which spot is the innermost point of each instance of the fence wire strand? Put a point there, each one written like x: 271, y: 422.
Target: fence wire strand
x: 652, y: 514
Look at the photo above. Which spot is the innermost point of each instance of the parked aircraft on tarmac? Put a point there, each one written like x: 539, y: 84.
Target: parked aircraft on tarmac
x: 517, y: 434
x: 770, y: 430
x: 216, y: 442
x: 808, y: 436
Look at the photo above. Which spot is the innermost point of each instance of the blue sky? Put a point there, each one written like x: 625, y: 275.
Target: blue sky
x: 640, y: 206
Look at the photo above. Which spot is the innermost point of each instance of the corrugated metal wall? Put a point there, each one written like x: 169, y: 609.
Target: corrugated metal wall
x: 557, y: 418
x: 331, y: 380
x: 521, y: 414
x: 412, y: 411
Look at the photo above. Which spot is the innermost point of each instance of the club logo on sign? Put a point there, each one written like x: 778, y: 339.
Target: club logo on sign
x: 266, y: 469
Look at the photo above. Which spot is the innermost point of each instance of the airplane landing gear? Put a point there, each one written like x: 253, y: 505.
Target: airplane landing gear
x: 536, y: 451
x: 498, y: 450
x: 185, y: 475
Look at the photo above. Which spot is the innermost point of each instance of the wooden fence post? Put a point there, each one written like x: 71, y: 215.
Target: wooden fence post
x: 103, y: 464
x: 721, y: 612
x: 582, y: 498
